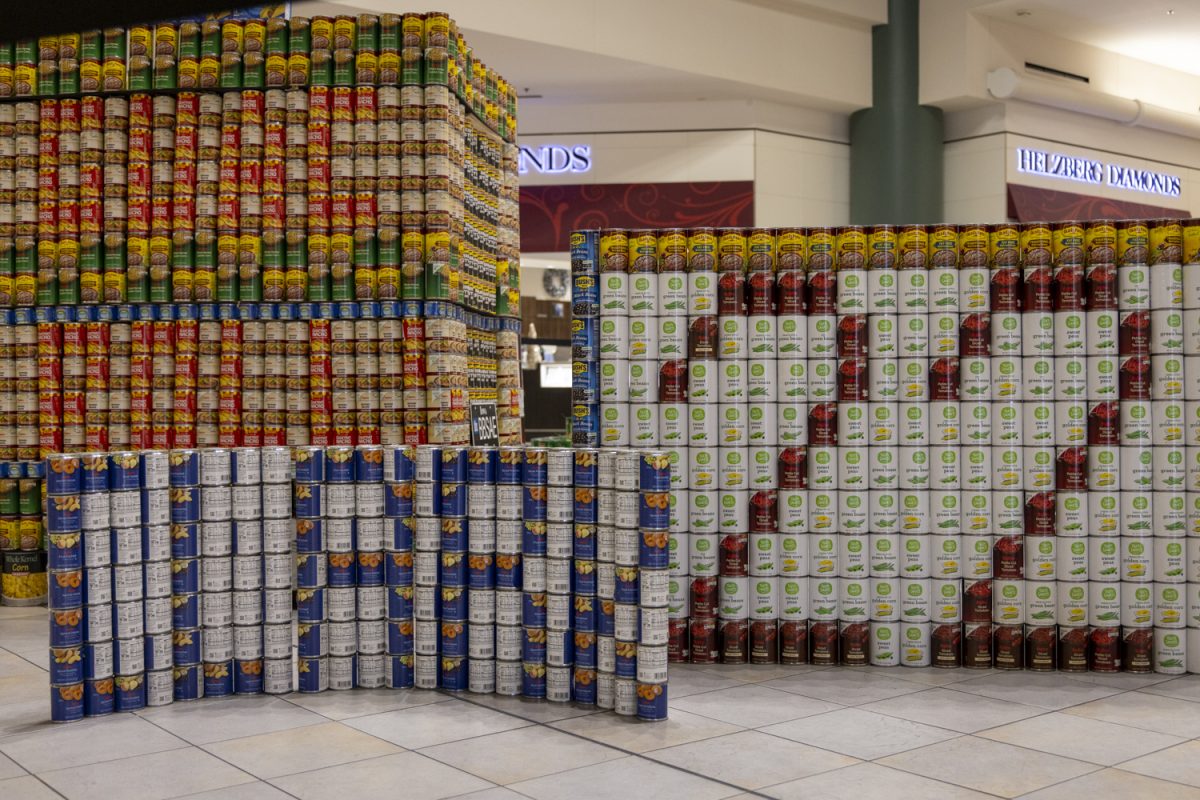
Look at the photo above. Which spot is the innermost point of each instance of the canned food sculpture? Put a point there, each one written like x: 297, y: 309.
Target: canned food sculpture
x: 948, y: 445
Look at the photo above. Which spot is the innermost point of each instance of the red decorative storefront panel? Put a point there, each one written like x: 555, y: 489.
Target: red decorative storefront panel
x: 550, y: 213
x: 1029, y: 204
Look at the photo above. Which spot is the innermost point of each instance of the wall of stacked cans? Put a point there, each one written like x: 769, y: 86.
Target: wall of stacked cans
x: 972, y: 445
x: 246, y: 233
x: 478, y: 570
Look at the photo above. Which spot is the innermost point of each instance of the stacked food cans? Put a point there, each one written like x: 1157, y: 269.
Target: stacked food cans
x: 482, y: 468
x: 454, y: 644
x: 973, y: 451
x: 427, y: 567
x: 510, y: 546
x: 69, y: 635
x: 587, y: 552
x: 347, y: 565
x: 313, y: 561
x: 535, y: 570
x: 399, y: 473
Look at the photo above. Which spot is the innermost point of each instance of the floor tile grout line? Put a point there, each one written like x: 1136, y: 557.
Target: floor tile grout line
x: 884, y: 766
x: 42, y: 781
x: 1156, y: 778
x: 634, y: 721
x: 954, y: 735
x: 214, y: 755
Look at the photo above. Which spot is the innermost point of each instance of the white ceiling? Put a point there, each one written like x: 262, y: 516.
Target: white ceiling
x: 1140, y: 29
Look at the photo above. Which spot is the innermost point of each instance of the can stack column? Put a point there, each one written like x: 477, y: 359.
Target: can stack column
x: 372, y: 566
x: 482, y: 464
x: 1168, y: 393
x: 129, y: 610
x: 510, y: 534
x: 117, y: 192
x: 606, y: 578
x: 216, y: 568
x: 790, y: 418
x: 728, y: 434
x: 654, y: 553
x: 454, y: 645
x: 240, y: 249
x: 67, y: 222
x: 183, y: 473
x: 626, y: 612
x: 312, y: 566
x: 74, y: 390
x: 209, y: 378
x: 344, y: 565
x: 1133, y: 640
x: 150, y: 280
x: 427, y: 543
x: 247, y: 548
x: 1191, y: 344
x: 894, y: 258
x: 295, y: 198
x: 94, y: 510
x: 279, y: 549
x: 157, y: 574
x: 399, y: 472
x: 534, y: 547
x: 192, y: 171
x: 561, y: 574
x: 586, y: 552
x: 76, y: 664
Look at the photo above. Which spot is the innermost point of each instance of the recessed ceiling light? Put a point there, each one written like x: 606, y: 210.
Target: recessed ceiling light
x: 1024, y: 12
x: 1170, y: 12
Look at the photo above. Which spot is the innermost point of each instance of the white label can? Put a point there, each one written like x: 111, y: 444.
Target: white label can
x: 1072, y: 604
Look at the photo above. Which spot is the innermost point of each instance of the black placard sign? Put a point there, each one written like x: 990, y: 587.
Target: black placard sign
x: 484, y: 430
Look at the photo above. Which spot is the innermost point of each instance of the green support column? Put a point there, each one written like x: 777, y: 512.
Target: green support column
x: 896, y: 145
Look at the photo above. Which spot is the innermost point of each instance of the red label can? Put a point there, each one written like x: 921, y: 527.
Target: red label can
x: 790, y: 289
x: 1039, y: 520
x: 733, y: 640
x: 822, y: 425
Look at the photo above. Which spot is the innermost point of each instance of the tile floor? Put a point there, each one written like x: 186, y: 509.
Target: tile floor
x: 780, y: 732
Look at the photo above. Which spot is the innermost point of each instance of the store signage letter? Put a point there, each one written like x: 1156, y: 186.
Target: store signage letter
x: 1086, y: 170
x: 555, y: 159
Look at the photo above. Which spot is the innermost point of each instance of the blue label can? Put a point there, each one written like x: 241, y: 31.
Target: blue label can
x: 312, y: 639
x: 454, y: 569
x: 310, y: 605
x: 218, y: 678
x: 398, y: 568
x: 339, y: 464
x: 66, y: 665
x: 654, y: 549
x: 560, y: 648
x: 124, y: 471
x: 340, y: 573
x: 481, y: 571
x: 185, y: 504
x: 368, y: 463
x: 587, y: 468
x: 533, y: 645
x: 189, y: 682
x: 585, y: 339
x: 398, y: 499
x: 585, y: 577
x: 454, y: 602
x: 63, y: 514
x: 401, y: 530
x: 626, y: 666
x: 651, y: 701
x: 185, y: 540
x: 131, y: 692
x: 654, y: 471
x: 606, y: 620
x: 534, y: 467
x: 186, y: 645
x: 510, y: 462
x: 583, y: 685
x: 64, y: 475
x: 481, y: 465
x: 454, y: 464
x: 534, y: 538
x: 534, y: 503
x: 584, y: 542
x: 185, y: 611
x: 627, y: 585
x: 400, y: 602
x: 654, y: 510
x: 585, y: 649
x: 308, y: 500
x: 183, y: 468
x: 95, y: 473
x: 99, y: 697
x: 308, y: 464
x: 454, y: 500
x: 400, y: 672
x: 533, y: 609
x: 455, y: 674
x: 399, y: 463
x: 66, y: 591
x: 455, y: 533
x: 583, y: 617
x: 370, y: 569
x: 399, y: 637
x: 585, y: 296
x: 509, y: 574
x: 310, y: 535
x: 314, y: 674
x: 185, y: 576
x: 248, y: 675
x: 454, y: 641
x: 533, y: 680
x: 585, y: 505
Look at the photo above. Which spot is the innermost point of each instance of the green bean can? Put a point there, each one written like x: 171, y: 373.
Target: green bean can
x: 9, y: 497
x: 29, y: 491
